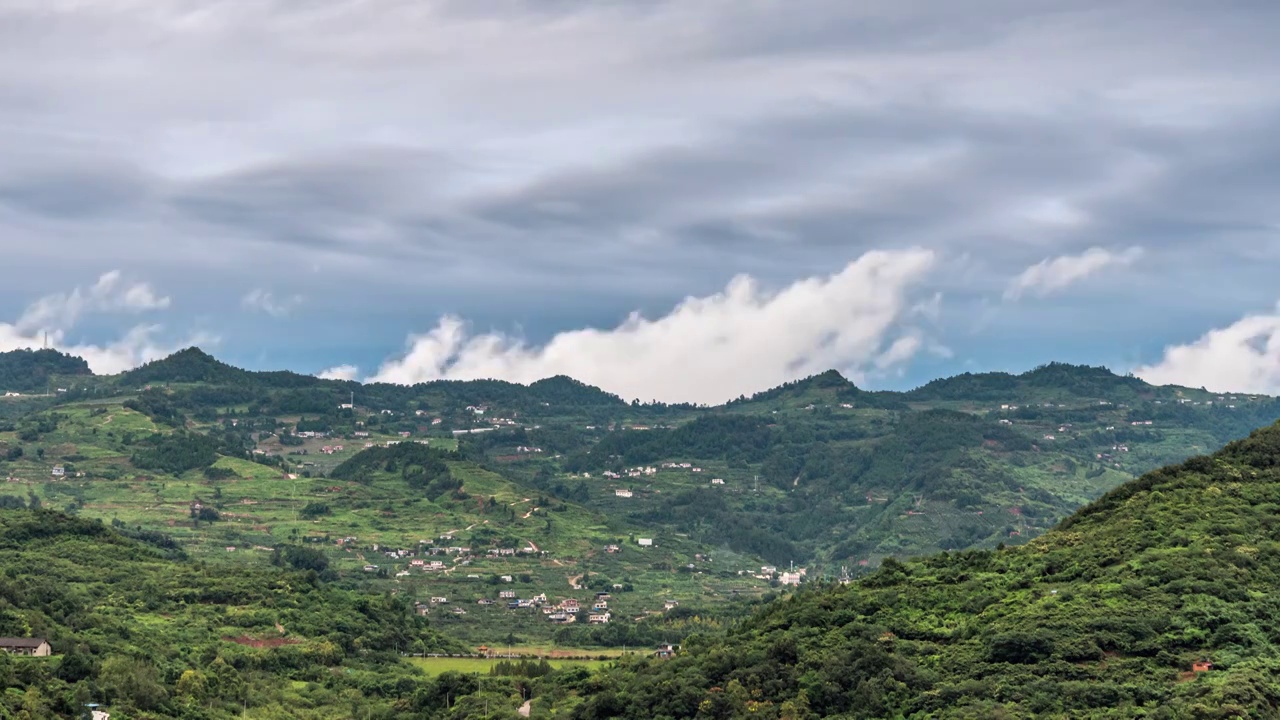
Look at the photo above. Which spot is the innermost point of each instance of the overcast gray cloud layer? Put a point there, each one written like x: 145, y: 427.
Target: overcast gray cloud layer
x: 443, y: 155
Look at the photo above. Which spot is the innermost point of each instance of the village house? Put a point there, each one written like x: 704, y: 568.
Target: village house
x: 59, y: 471
x: 644, y: 542
x: 31, y: 647
x: 598, y: 618
x: 600, y: 606
x: 622, y: 493
x: 507, y: 594
x: 506, y: 578
x: 612, y: 548
x: 484, y: 601
x: 665, y: 651
x: 570, y: 606
x: 558, y: 617
x: 670, y: 605
x: 439, y: 600
x: 717, y: 481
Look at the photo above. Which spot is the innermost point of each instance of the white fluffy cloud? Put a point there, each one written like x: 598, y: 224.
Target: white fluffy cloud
x: 707, y: 349
x: 1053, y: 274
x: 341, y: 372
x: 52, y: 317
x: 265, y: 301
x: 110, y: 294
x: 1242, y: 357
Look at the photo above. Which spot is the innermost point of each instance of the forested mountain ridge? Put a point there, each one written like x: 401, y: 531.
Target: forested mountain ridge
x: 813, y: 471
x: 445, y: 494
x: 1157, y: 600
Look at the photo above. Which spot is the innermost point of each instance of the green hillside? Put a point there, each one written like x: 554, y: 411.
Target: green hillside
x: 144, y: 632
x: 549, y: 489
x: 1107, y: 616
x: 35, y: 371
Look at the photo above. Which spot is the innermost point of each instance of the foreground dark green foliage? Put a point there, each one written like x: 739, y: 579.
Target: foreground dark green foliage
x: 153, y: 638
x: 1102, y: 617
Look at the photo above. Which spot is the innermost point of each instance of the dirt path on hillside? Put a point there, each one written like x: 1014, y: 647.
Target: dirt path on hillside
x: 526, y: 708
x: 573, y: 582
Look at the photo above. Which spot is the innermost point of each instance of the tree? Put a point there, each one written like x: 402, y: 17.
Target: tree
x: 134, y: 682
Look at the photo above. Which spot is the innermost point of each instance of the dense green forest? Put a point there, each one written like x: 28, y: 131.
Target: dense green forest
x: 32, y: 371
x: 150, y: 635
x: 1105, y: 616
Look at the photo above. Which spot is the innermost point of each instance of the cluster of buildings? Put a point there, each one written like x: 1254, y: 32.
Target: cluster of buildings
x: 568, y: 610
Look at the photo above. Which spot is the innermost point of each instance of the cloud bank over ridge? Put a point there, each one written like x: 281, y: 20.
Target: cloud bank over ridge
x: 51, y: 319
x: 707, y: 349
x: 1241, y: 357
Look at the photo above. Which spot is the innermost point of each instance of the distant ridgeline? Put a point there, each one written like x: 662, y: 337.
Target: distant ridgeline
x: 817, y: 471
x: 32, y: 371
x: 1156, y: 601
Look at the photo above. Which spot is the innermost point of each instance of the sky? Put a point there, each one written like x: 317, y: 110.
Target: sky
x: 683, y: 200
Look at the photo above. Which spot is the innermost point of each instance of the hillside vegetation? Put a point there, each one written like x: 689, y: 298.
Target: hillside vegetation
x: 1107, y: 615
x: 148, y: 634
x: 688, y: 515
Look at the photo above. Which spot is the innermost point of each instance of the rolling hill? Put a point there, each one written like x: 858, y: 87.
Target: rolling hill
x: 1157, y: 600
x: 555, y: 484
x: 146, y: 633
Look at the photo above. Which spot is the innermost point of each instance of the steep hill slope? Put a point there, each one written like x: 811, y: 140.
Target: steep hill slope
x: 1158, y: 600
x: 148, y: 634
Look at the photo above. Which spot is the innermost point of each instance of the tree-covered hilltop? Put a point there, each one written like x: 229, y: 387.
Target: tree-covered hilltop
x: 32, y: 371
x: 1158, y: 600
x: 193, y: 365
x: 149, y: 636
x: 1052, y: 381
x: 826, y: 387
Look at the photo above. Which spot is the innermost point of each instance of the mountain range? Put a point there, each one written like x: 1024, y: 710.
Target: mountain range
x: 989, y: 545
